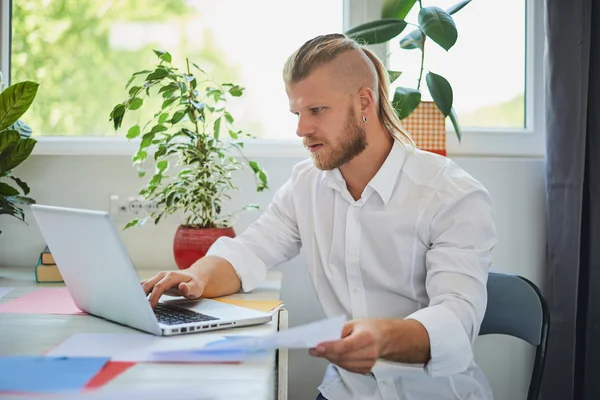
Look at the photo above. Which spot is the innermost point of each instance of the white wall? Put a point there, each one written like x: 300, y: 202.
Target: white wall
x: 516, y: 185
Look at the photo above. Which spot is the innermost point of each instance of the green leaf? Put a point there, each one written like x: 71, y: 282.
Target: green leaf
x: 7, y: 190
x: 439, y: 26
x: 236, y: 91
x: 116, y: 115
x: 146, y: 140
x: 178, y: 116
x: 133, y: 132
x: 14, y: 149
x: 135, y: 103
x: 396, y: 8
x: 21, y: 184
x: 455, y: 124
x: 158, y: 128
x: 24, y: 130
x: 440, y: 91
x: 405, y: 101
x: 217, y: 128
x: 379, y: 31
x: 163, y: 117
x: 134, y: 90
x: 457, y: 7
x: 162, y: 165
x: 163, y: 55
x: 254, y: 166
x: 132, y: 223
x: 394, y: 75
x: 413, y: 40
x: 140, y: 156
x: 14, y: 101
x: 158, y: 74
x: 168, y: 102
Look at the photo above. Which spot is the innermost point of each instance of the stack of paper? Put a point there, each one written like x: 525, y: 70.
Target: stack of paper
x: 204, y: 347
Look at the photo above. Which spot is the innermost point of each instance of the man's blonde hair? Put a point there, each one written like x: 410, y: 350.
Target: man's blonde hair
x: 324, y: 49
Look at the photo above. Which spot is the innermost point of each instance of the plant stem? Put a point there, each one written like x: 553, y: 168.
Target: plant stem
x: 187, y: 62
x: 422, y: 59
x: 420, y: 4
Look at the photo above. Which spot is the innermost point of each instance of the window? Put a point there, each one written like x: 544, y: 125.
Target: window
x: 486, y: 66
x: 82, y: 52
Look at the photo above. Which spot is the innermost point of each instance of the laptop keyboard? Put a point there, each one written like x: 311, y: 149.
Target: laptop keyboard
x: 170, y: 315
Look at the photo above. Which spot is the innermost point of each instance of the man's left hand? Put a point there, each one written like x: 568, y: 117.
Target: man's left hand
x: 362, y: 342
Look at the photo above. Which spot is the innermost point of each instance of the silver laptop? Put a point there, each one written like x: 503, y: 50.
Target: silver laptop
x: 102, y: 280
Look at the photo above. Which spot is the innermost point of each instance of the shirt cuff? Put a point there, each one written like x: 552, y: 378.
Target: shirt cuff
x: 451, y: 350
x: 249, y: 268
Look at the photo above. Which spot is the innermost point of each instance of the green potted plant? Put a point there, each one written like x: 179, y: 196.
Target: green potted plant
x: 433, y: 23
x: 184, y: 142
x: 16, y: 144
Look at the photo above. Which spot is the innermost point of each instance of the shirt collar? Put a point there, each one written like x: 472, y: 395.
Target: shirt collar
x: 384, y: 180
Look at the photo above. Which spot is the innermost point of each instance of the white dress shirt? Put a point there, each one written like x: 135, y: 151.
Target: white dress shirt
x: 416, y: 245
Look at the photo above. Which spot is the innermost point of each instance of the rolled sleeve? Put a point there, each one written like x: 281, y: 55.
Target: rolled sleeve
x: 270, y: 240
x: 451, y: 351
x: 462, y: 238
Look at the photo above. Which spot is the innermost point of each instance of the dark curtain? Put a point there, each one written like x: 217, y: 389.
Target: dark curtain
x: 572, y: 286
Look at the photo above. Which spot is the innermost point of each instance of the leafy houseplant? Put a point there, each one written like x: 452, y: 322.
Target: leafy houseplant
x: 433, y: 23
x: 192, y: 161
x: 16, y: 144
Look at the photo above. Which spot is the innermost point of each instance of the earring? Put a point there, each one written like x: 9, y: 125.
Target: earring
x: 364, y: 119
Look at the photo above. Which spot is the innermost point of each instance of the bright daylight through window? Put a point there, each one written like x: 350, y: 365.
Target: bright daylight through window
x: 486, y: 66
x: 83, y: 51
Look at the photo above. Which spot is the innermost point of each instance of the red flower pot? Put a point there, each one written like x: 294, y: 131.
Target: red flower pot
x: 190, y: 244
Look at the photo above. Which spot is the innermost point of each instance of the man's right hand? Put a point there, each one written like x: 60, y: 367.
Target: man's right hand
x: 175, y: 283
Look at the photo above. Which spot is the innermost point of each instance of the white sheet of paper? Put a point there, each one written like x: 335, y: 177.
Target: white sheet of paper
x: 299, y: 337
x: 4, y: 290
x: 129, y: 347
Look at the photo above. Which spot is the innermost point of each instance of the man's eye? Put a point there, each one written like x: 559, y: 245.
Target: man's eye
x: 316, y: 110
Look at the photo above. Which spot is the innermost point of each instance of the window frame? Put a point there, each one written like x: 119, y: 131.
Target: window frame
x: 528, y: 142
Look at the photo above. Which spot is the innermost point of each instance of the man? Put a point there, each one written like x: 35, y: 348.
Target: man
x: 397, y: 238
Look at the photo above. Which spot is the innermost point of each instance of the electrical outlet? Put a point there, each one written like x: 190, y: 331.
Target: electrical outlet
x: 136, y: 207
x: 126, y: 208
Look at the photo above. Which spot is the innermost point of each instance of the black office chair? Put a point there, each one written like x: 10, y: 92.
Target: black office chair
x: 516, y: 307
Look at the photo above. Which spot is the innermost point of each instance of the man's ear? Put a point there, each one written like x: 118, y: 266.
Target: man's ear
x: 367, y: 99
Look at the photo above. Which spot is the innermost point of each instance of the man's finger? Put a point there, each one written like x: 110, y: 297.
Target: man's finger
x: 348, y: 344
x: 169, y: 281
x: 148, y: 284
x: 190, y: 290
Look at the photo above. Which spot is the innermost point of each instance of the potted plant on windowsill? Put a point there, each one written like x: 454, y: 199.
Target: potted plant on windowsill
x: 192, y: 162
x: 16, y: 144
x: 433, y: 23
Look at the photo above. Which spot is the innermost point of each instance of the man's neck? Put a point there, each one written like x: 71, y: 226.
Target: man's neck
x: 362, y: 168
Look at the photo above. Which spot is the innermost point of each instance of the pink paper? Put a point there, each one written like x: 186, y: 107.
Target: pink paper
x: 42, y: 301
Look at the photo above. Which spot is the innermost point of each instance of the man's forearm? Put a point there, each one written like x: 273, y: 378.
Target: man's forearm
x: 218, y: 275
x: 406, y: 341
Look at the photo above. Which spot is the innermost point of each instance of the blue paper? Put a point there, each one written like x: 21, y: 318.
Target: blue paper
x: 47, y: 374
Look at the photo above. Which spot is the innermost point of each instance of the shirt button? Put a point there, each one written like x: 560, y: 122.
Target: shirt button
x: 356, y: 289
x: 385, y: 382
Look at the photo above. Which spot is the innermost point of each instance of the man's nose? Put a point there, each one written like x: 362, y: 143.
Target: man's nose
x: 304, y: 128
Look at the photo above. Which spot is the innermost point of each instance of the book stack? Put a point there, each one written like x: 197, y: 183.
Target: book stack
x: 46, y: 270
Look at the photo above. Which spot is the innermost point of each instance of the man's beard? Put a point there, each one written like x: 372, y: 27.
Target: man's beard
x: 351, y: 144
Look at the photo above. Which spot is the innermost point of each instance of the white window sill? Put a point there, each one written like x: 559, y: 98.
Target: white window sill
x: 490, y: 143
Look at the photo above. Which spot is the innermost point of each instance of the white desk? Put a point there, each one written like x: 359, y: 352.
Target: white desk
x: 33, y: 334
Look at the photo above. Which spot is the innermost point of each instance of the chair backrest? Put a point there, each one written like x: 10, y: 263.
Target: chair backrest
x: 516, y: 307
